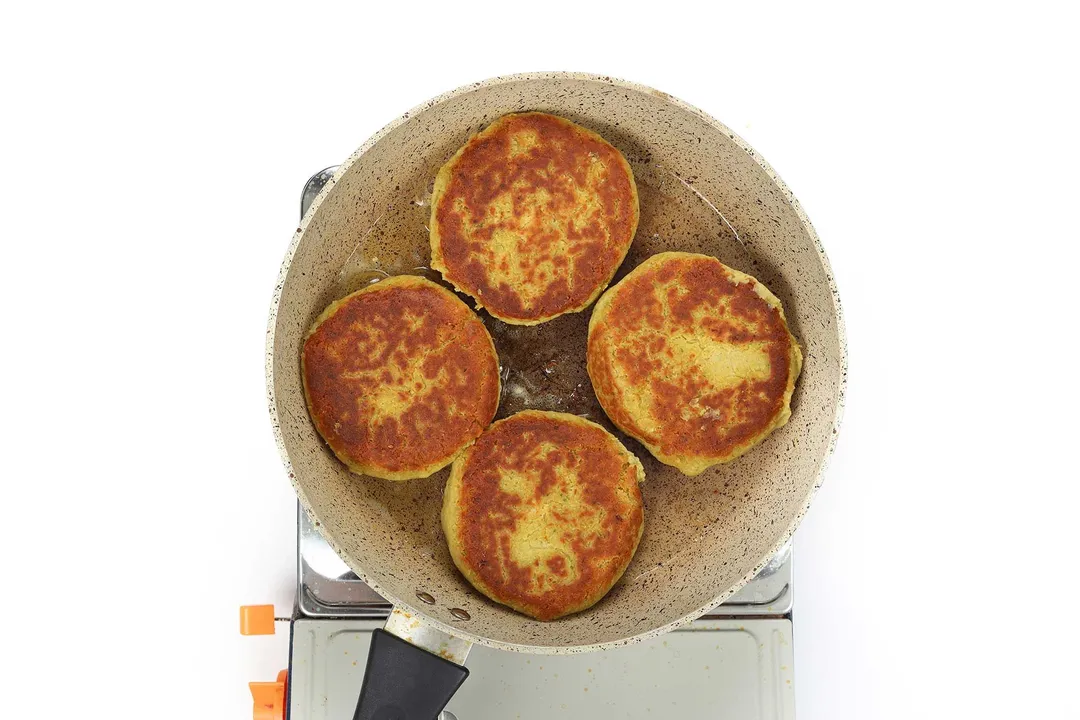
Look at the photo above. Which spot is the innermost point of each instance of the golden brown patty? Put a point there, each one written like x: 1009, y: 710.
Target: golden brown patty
x: 544, y: 513
x: 532, y: 217
x: 692, y: 358
x: 399, y: 377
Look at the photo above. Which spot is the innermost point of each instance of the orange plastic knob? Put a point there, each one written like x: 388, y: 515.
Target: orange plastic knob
x: 269, y: 698
x: 256, y: 619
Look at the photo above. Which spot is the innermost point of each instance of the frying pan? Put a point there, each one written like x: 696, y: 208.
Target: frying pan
x: 702, y: 189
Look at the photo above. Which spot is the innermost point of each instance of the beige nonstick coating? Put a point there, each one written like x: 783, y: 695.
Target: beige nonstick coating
x: 702, y: 190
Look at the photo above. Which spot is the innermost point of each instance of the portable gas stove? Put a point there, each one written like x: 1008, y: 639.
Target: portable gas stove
x: 735, y: 662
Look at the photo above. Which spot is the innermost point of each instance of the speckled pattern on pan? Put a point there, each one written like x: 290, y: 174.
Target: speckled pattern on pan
x: 703, y: 189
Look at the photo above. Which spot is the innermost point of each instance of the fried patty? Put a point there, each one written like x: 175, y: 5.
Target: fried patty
x: 543, y: 513
x: 692, y: 358
x: 532, y: 217
x: 399, y: 378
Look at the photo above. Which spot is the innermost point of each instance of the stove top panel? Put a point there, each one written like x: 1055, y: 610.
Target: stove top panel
x: 711, y: 669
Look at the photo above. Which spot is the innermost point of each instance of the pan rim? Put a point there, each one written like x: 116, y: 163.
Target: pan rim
x: 628, y: 85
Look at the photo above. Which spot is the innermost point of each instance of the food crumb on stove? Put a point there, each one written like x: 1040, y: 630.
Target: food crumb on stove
x: 354, y: 662
x: 586, y: 689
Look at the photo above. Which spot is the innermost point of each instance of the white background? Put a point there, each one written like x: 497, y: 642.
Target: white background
x: 152, y: 157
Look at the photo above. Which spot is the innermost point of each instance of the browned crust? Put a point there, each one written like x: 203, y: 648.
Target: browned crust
x: 412, y: 343
x: 580, y: 254
x: 579, y: 458
x: 630, y: 337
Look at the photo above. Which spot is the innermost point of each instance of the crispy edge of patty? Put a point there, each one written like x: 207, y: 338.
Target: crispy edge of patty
x: 452, y: 523
x: 442, y: 182
x: 371, y: 469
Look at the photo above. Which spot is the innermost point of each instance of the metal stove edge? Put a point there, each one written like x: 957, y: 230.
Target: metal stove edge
x: 327, y: 588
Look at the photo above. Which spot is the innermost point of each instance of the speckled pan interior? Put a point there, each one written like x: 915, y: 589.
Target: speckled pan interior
x: 702, y: 190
